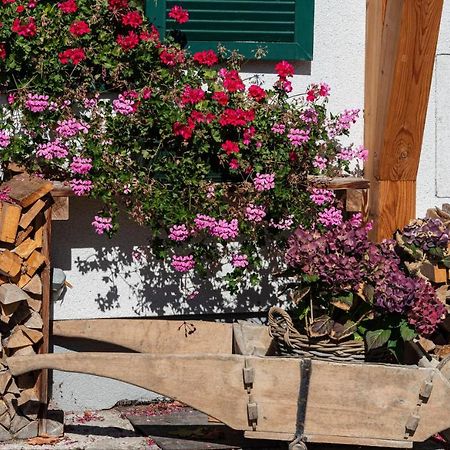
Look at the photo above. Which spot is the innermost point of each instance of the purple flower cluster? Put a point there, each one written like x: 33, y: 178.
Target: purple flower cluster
x: 330, y: 217
x: 81, y: 165
x: 344, y: 259
x: 102, y: 224
x: 81, y: 187
x: 204, y: 222
x: 5, y: 140
x: 183, y: 263
x: 178, y: 233
x: 264, y: 181
x: 71, y: 127
x: 225, y: 230
x: 255, y: 213
x: 426, y: 234
x: 36, y: 102
x: 51, y: 150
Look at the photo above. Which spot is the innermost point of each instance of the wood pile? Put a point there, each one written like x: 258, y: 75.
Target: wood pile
x: 24, y: 280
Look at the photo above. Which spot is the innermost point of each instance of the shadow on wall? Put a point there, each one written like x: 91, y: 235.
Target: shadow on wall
x: 119, y: 269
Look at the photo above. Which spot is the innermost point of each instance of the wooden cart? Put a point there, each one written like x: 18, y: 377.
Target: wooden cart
x: 226, y: 371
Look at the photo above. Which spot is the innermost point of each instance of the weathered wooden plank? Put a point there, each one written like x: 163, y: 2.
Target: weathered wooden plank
x: 31, y: 213
x: 60, y: 209
x: 382, y: 443
x: 152, y: 336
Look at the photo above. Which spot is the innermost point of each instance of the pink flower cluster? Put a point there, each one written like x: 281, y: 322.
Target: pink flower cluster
x: 317, y: 90
x: 102, y: 224
x: 320, y: 162
x: 204, y: 222
x: 5, y: 140
x: 81, y: 165
x: 239, y: 260
x: 225, y: 230
x: 279, y: 128
x: 50, y: 150
x: 81, y: 187
x: 350, y: 153
x: 322, y: 196
x: 36, y: 102
x: 330, y: 217
x: 183, y: 263
x: 255, y: 213
x: 71, y: 127
x: 264, y: 181
x: 178, y: 233
x: 309, y: 115
x: 298, y: 137
x: 284, y: 224
x: 124, y: 106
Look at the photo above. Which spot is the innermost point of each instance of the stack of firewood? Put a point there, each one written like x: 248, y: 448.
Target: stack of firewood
x: 23, y: 274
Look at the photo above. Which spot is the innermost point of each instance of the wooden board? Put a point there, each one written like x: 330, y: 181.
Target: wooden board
x: 381, y: 397
x: 26, y: 189
x: 152, y: 336
x: 400, y: 51
x: 60, y: 209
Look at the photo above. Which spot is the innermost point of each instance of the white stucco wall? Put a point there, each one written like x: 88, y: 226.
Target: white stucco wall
x: 107, y: 283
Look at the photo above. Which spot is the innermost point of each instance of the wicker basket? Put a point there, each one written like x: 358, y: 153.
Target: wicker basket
x: 292, y: 343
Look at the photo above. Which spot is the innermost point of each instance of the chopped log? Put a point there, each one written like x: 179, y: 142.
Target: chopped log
x: 5, y: 377
x: 34, y: 304
x: 33, y: 263
x: 22, y: 314
x: 10, y: 293
x: 17, y: 340
x: 28, y: 395
x: 3, y: 407
x: 34, y: 335
x: 18, y: 422
x: 5, y: 420
x: 8, y: 311
x: 24, y: 351
x: 34, y: 286
x: 39, y: 230
x: 29, y: 431
x: 26, y: 248
x: 9, y: 221
x: 22, y: 280
x: 433, y: 273
x: 35, y: 321
x: 22, y: 235
x: 60, y: 209
x: 12, y: 387
x: 10, y: 263
x: 32, y: 212
x: 26, y: 189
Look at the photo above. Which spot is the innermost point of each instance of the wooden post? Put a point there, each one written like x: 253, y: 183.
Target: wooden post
x: 401, y: 40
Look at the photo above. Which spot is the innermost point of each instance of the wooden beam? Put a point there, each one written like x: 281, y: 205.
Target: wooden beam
x: 401, y: 44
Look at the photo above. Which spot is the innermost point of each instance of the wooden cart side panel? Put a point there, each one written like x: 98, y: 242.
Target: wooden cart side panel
x: 212, y: 384
x: 152, y: 336
x: 370, y: 400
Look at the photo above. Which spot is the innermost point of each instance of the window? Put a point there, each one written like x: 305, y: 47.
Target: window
x: 283, y: 27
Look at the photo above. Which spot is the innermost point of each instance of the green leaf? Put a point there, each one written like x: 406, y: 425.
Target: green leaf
x: 377, y: 338
x: 344, y: 302
x: 407, y: 332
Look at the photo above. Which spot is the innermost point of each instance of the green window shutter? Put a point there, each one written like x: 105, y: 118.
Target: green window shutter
x: 284, y: 27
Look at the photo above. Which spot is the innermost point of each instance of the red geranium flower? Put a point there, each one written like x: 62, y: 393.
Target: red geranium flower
x: 117, y: 4
x: 132, y: 19
x: 171, y: 57
x: 236, y: 117
x: 153, y: 35
x: 26, y: 29
x: 192, y: 95
x: 72, y: 55
x: 185, y: 131
x: 5, y: 2
x: 232, y: 81
x: 230, y: 147
x: 234, y: 164
x: 68, y: 7
x: 284, y: 69
x: 79, y: 28
x: 20, y: 9
x: 129, y: 41
x: 206, y: 57
x: 221, y: 97
x: 256, y: 92
x: 179, y: 14
x: 2, y: 51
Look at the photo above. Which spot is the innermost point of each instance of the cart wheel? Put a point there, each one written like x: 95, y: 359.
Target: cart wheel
x: 297, y: 446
